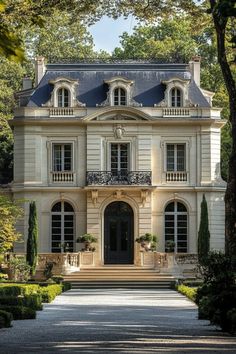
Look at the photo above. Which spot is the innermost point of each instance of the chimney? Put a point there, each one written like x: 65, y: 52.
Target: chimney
x: 194, y: 66
x: 39, y: 69
x: 26, y: 83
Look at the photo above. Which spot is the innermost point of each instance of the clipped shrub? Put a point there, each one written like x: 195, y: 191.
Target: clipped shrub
x: 49, y: 292
x: 189, y: 292
x: 5, y: 319
x: 33, y: 301
x: 9, y: 289
x: 20, y: 312
x: 66, y: 286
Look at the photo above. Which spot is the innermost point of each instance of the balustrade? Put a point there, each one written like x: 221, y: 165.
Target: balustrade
x: 64, y: 177
x: 176, y: 112
x: 180, y: 176
x: 61, y: 111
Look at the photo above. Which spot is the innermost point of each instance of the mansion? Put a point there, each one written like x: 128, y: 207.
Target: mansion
x: 118, y: 150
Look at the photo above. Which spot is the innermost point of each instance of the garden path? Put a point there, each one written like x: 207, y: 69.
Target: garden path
x: 116, y: 320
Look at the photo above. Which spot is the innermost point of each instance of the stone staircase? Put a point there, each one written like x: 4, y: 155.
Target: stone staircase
x: 119, y: 277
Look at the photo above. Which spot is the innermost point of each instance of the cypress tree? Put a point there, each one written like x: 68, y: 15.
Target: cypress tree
x: 203, y: 233
x: 32, y: 241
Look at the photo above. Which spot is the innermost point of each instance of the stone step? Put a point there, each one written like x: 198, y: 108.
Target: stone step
x: 168, y: 284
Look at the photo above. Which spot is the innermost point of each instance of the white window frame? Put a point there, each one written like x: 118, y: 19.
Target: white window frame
x: 119, y: 88
x: 176, y: 213
x: 174, y: 94
x: 175, y: 157
x: 63, y: 157
x: 129, y: 154
x: 63, y: 89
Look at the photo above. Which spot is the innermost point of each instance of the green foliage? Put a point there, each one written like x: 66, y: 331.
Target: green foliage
x: 87, y: 238
x: 189, y: 292
x: 32, y: 241
x: 170, y: 41
x: 33, y: 301
x: 70, y: 39
x: 3, y: 276
x: 9, y: 289
x: 66, y: 286
x: 147, y: 237
x: 5, y: 319
x: 49, y: 292
x: 203, y: 233
x: 20, y: 270
x: 20, y: 312
x: 170, y: 246
x: 216, y: 298
x: 10, y: 212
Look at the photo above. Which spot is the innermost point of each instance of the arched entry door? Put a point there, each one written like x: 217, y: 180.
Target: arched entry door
x: 118, y: 237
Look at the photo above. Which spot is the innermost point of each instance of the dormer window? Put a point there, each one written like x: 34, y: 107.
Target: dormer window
x: 120, y: 93
x: 119, y: 97
x: 63, y: 97
x: 176, y: 92
x: 64, y: 93
x: 176, y: 97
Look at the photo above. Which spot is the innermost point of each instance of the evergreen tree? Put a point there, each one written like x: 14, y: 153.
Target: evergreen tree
x: 32, y: 242
x: 203, y: 233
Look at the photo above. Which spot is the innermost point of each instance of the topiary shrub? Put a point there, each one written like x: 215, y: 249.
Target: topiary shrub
x: 33, y: 301
x: 9, y: 289
x: 20, y: 312
x: 189, y: 292
x: 66, y: 286
x: 49, y: 292
x: 5, y: 319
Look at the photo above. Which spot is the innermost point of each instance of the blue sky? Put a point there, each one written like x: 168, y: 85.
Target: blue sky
x: 106, y: 32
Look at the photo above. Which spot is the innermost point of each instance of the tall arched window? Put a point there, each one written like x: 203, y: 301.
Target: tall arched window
x: 63, y: 97
x: 176, y: 226
x: 119, y: 97
x: 62, y: 227
x: 176, y: 97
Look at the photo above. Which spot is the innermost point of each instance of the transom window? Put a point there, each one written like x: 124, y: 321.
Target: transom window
x: 62, y: 157
x: 62, y: 228
x: 63, y: 97
x: 119, y: 159
x: 176, y: 226
x: 175, y: 157
x: 119, y: 97
x: 176, y: 97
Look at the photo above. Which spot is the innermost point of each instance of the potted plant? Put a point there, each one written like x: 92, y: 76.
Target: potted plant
x: 147, y: 241
x: 170, y: 246
x: 87, y: 240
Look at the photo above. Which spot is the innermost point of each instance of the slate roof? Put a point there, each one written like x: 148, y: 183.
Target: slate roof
x: 147, y: 89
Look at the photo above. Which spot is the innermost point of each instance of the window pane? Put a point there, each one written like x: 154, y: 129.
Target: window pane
x: 170, y: 157
x: 170, y: 207
x: 181, y: 207
x: 57, y: 157
x: 180, y: 157
x: 57, y: 208
x: 68, y: 207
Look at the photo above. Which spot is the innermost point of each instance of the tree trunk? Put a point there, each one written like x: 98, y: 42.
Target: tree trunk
x: 220, y: 23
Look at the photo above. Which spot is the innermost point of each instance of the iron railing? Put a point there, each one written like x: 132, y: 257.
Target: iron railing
x: 119, y: 178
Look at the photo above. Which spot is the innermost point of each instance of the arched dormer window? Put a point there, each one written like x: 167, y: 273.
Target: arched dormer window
x: 176, y: 97
x: 176, y: 93
x: 63, y: 97
x: 120, y: 98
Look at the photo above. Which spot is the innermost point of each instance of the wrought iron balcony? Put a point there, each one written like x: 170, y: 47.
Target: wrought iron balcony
x: 119, y: 178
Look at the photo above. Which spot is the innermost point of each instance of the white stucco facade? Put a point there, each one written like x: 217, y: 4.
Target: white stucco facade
x: 150, y: 135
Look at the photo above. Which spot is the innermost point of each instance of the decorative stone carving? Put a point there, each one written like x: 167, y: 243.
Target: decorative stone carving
x: 118, y: 131
x: 94, y: 196
x: 144, y: 196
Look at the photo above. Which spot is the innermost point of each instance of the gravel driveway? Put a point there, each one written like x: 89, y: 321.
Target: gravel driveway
x: 116, y: 320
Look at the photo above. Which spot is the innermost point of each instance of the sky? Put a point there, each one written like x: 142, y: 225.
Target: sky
x: 106, y: 32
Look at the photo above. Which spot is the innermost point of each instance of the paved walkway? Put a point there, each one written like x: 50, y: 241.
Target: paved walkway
x: 116, y: 320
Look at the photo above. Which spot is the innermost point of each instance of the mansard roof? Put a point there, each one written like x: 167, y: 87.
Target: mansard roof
x: 148, y: 88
